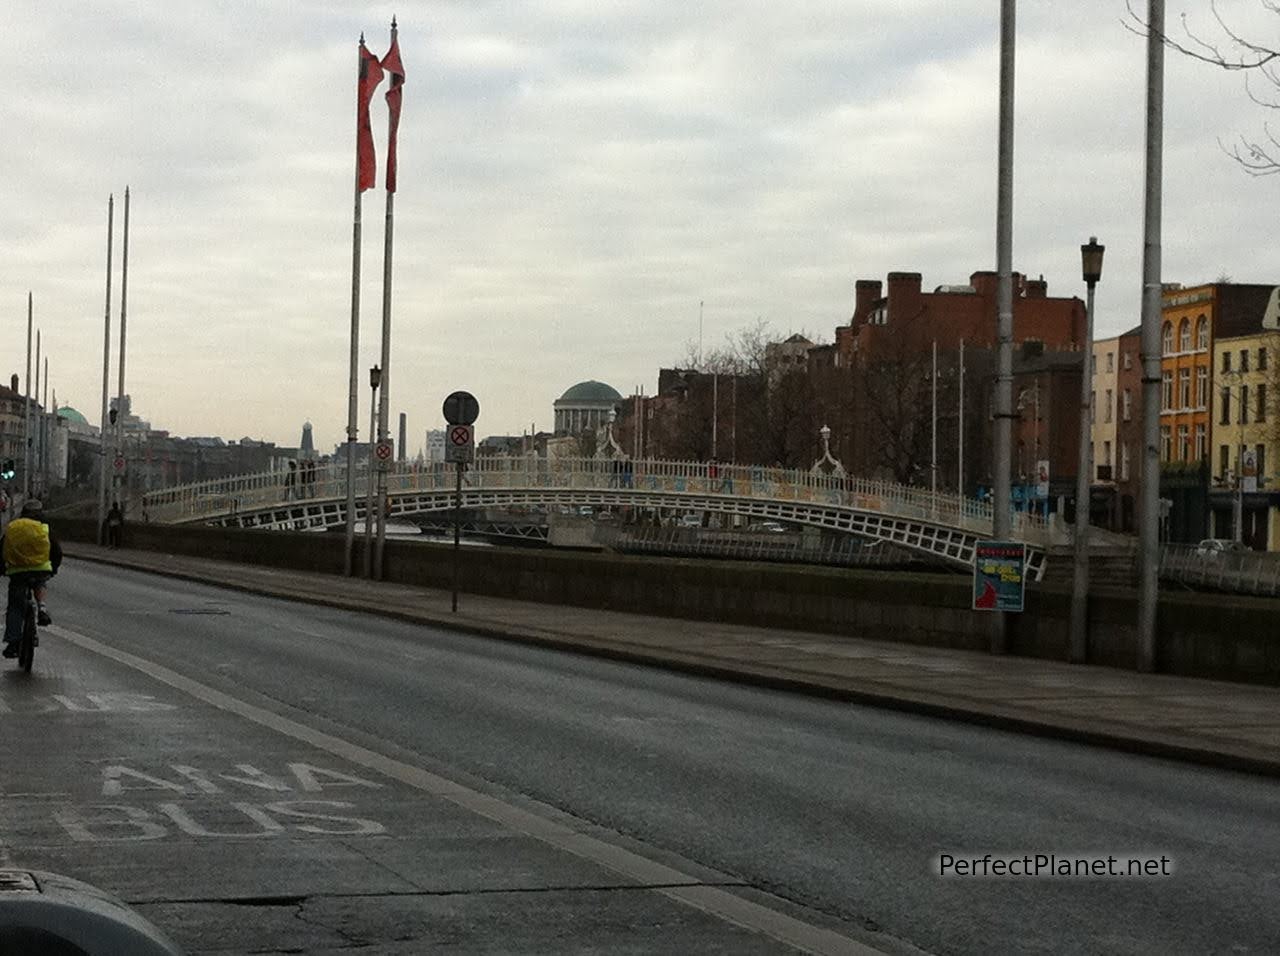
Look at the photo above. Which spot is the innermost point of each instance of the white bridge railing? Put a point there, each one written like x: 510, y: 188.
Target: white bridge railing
x: 210, y: 500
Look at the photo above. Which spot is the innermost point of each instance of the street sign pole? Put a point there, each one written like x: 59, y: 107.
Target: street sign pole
x: 460, y: 410
x: 457, y: 532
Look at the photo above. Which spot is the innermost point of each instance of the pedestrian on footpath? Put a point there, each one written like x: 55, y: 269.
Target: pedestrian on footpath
x: 115, y: 525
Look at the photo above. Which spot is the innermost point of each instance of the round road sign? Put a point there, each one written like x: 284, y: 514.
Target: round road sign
x: 118, y: 464
x: 461, y: 408
x: 383, y: 450
x: 460, y: 435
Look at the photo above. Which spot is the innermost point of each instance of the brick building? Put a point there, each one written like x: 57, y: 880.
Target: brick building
x: 1192, y: 319
x: 951, y: 314
x: 1046, y: 399
x: 883, y: 407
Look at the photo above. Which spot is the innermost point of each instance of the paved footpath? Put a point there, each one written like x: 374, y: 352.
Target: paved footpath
x: 1213, y: 722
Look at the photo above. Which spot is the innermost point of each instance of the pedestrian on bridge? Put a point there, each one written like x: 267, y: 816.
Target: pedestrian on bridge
x: 291, y: 480
x: 308, y: 477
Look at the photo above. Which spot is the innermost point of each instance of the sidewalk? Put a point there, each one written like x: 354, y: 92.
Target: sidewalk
x: 1234, y: 726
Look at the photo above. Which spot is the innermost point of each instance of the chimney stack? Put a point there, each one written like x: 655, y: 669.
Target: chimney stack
x: 866, y: 291
x: 904, y: 295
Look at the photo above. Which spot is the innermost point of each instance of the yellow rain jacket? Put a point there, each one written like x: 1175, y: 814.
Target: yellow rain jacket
x: 26, y: 547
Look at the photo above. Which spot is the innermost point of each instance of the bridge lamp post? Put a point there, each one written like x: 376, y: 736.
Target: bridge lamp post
x: 1091, y: 266
x: 375, y: 380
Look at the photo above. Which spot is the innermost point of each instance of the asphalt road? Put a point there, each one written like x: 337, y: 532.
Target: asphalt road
x: 841, y: 810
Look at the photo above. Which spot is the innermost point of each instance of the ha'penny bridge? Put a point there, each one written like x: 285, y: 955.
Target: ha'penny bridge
x: 944, y: 526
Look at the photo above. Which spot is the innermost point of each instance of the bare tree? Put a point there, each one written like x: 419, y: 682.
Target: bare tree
x: 1258, y: 62
x: 894, y: 396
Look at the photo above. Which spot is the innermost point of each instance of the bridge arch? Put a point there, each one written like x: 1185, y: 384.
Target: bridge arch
x: 944, y: 526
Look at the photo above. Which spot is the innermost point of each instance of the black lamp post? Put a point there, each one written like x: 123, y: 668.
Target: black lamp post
x: 1091, y: 269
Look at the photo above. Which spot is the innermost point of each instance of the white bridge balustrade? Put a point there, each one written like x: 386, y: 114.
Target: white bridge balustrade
x: 943, y: 525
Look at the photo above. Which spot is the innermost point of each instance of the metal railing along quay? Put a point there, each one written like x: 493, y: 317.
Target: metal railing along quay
x: 1239, y: 572
x: 751, y: 546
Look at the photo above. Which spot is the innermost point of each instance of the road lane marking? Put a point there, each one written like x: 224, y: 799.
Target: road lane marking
x: 666, y: 880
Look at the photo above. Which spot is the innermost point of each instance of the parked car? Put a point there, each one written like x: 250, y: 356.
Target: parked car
x: 691, y: 521
x: 1214, y: 547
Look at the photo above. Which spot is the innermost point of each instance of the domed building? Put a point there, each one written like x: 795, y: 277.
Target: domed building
x: 77, y: 424
x: 585, y: 406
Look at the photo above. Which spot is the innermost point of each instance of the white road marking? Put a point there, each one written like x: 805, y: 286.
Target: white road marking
x: 670, y: 882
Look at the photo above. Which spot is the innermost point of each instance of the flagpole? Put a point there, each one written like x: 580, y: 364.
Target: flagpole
x: 35, y: 429
x: 26, y: 418
x: 45, y: 424
x: 124, y: 292
x: 353, y: 387
x: 106, y: 376
x: 960, y: 445
x: 384, y: 395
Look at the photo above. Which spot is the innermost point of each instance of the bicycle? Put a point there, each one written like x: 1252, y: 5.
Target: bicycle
x: 30, y: 639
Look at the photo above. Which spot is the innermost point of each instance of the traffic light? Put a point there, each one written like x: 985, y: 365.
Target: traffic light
x: 8, y: 470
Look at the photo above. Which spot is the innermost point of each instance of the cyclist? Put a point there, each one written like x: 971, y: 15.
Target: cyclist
x: 31, y: 555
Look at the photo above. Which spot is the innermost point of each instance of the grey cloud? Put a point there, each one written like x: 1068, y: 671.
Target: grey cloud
x: 575, y: 177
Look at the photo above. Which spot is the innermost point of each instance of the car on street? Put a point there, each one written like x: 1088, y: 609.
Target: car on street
x: 1216, y: 547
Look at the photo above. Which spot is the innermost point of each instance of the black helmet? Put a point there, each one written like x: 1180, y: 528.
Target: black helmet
x: 32, y: 508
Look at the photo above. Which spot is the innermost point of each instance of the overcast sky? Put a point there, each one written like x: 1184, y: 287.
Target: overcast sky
x: 575, y: 176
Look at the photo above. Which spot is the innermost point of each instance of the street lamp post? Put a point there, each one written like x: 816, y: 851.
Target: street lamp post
x: 1237, y: 507
x: 1091, y: 266
x: 375, y: 380
x: 1238, y: 390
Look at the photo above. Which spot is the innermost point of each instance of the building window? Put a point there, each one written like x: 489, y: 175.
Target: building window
x: 1226, y: 407
x: 1127, y: 361
x: 1111, y: 361
x: 1124, y: 462
x: 1167, y: 338
x: 1261, y: 415
x: 1184, y: 336
x: 1244, y: 404
x: 1202, y: 333
x: 1244, y: 360
x: 1261, y: 452
x: 1202, y: 386
x: 1106, y: 410
x: 1166, y: 443
x: 1224, y: 461
x: 1126, y: 404
x: 1184, y: 387
x: 1106, y: 453
x: 1262, y: 358
x: 1166, y: 393
x: 1226, y: 361
x: 1202, y: 442
x: 1093, y: 364
x: 1184, y: 443
x: 1093, y: 407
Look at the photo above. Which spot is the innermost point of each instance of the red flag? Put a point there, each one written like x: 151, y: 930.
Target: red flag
x: 369, y: 78
x: 391, y: 63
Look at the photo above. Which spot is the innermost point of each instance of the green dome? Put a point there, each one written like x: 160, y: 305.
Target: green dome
x: 591, y: 391
x: 71, y: 415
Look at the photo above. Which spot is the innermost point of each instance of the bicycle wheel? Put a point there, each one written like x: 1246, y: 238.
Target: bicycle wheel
x: 27, y: 646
